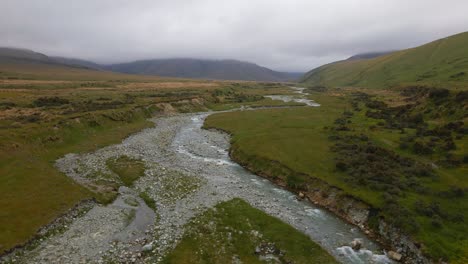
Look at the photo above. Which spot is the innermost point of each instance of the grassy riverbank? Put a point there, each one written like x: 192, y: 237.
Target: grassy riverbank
x: 234, y: 231
x: 296, y: 146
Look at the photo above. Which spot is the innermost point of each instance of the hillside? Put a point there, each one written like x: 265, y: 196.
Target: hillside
x: 16, y: 63
x: 77, y: 63
x: 368, y: 55
x: 23, y: 55
x: 442, y: 62
x: 204, y: 69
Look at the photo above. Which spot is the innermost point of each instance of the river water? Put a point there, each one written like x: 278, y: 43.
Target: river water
x: 300, y: 98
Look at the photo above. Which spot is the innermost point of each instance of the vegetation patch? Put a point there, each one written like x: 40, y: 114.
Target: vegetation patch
x: 234, y: 231
x: 148, y: 200
x: 128, y: 169
x: 175, y: 185
x: 50, y: 101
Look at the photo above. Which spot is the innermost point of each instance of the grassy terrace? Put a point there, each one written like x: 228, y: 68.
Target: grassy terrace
x: 298, y: 145
x: 48, y: 111
x: 233, y: 230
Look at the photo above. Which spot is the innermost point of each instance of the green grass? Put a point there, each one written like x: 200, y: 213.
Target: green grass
x: 148, y: 200
x: 233, y: 230
x: 440, y: 63
x: 292, y: 146
x: 128, y: 169
x: 295, y: 138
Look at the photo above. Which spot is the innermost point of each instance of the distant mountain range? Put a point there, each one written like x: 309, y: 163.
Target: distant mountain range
x: 204, y: 69
x: 181, y: 68
x: 441, y: 62
x: 78, y: 62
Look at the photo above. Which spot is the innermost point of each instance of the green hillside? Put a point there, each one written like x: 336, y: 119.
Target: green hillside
x: 444, y: 61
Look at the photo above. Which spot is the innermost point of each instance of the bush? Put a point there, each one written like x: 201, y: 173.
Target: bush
x: 461, y: 96
x: 367, y: 164
x: 438, y: 93
x: 422, y: 149
x: 50, y: 101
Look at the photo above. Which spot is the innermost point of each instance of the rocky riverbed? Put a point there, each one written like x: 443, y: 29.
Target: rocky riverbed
x: 188, y: 170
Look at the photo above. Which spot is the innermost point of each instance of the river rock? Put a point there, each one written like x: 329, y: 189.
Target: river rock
x: 394, y: 255
x: 356, y: 244
x: 301, y: 195
x: 257, y: 250
x: 147, y: 247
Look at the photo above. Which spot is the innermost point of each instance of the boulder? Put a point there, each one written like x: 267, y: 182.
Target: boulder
x: 147, y: 247
x: 301, y: 195
x: 394, y: 255
x: 356, y: 244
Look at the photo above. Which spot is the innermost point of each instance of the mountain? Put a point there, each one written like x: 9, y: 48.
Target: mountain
x: 24, y: 64
x: 183, y: 68
x: 204, y: 69
x: 16, y: 55
x: 22, y: 55
x: 442, y: 62
x: 77, y: 63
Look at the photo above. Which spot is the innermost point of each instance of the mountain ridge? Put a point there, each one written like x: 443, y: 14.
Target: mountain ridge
x: 225, y: 69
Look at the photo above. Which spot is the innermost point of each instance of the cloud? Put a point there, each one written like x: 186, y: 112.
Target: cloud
x: 284, y: 35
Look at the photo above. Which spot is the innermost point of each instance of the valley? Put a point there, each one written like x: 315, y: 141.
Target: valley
x: 182, y: 160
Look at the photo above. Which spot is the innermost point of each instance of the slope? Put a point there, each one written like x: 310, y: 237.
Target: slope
x: 442, y: 62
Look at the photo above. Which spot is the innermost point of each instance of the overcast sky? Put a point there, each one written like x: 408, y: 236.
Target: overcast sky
x: 288, y: 35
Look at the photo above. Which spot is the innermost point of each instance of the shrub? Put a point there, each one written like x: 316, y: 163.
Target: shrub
x: 50, y: 101
x: 461, y: 96
x: 438, y: 93
x: 422, y: 148
x: 367, y: 164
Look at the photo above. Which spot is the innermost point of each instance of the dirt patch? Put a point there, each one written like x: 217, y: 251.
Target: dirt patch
x: 21, y: 112
x: 20, y: 82
x: 168, y: 85
x: 166, y: 108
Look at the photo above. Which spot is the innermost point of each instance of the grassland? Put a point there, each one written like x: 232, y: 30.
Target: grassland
x: 234, y: 231
x: 298, y: 145
x: 440, y: 63
x: 49, y: 111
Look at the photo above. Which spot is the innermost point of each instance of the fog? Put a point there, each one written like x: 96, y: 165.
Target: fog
x: 282, y: 35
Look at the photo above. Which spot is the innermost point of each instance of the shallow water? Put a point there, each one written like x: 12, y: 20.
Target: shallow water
x: 301, y: 98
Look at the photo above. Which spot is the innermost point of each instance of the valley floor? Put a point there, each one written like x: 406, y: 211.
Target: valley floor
x: 155, y: 193
x: 188, y: 171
